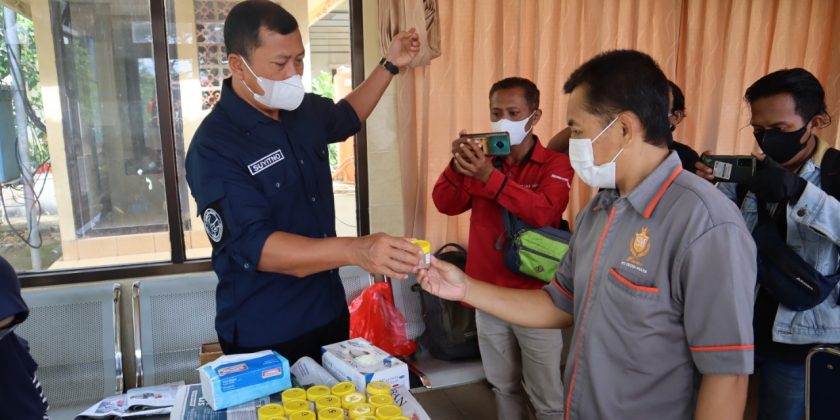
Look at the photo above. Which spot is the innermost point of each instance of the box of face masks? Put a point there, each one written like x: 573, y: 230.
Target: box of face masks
x: 239, y: 378
x: 359, y: 361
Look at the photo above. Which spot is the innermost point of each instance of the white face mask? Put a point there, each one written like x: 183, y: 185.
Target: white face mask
x: 516, y: 129
x: 278, y: 94
x: 583, y: 162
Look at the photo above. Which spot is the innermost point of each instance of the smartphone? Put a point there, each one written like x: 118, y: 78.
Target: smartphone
x: 822, y: 377
x: 728, y: 168
x: 493, y: 144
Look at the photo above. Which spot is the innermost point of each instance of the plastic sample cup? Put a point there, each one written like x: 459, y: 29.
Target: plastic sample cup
x: 303, y: 415
x: 327, y: 401
x: 317, y: 391
x: 353, y: 399
x: 295, y: 406
x: 377, y: 401
x: 388, y: 412
x: 378, y: 388
x: 330, y: 413
x: 426, y: 246
x: 269, y: 411
x: 293, y: 394
x: 343, y: 388
x: 360, y: 410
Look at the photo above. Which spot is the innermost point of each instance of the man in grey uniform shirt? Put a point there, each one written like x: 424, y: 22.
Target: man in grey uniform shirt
x: 659, y: 279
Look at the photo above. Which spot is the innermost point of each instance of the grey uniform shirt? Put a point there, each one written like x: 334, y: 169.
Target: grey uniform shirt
x: 661, y: 283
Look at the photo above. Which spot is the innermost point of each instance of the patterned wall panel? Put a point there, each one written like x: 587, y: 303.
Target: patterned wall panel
x: 212, y: 58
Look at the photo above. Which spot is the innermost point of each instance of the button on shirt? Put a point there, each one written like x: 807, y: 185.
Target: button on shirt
x: 536, y: 191
x: 251, y: 176
x: 661, y: 284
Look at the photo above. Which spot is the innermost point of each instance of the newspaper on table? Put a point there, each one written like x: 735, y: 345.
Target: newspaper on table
x: 137, y: 402
x: 191, y: 405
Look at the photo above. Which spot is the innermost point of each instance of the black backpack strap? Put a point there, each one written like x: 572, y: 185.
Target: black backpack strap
x: 830, y: 172
x: 453, y: 245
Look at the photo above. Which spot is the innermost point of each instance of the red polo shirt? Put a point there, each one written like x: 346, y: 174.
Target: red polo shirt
x: 536, y: 191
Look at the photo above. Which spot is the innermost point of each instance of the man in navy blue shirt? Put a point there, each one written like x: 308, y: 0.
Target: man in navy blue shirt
x: 21, y: 395
x: 258, y: 168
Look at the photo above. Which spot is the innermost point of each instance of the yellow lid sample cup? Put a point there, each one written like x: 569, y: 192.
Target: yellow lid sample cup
x: 353, y: 399
x: 426, y: 246
x: 330, y: 413
x: 295, y: 406
x: 366, y: 418
x: 303, y: 415
x: 327, y: 401
x: 293, y: 394
x: 380, y: 400
x: 378, y: 388
x: 360, y: 410
x: 343, y: 388
x: 270, y: 410
x: 388, y: 412
x: 317, y: 391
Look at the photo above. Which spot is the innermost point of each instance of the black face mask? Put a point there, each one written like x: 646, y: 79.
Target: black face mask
x: 779, y: 145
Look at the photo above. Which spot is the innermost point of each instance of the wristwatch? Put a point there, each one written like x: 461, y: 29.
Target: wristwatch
x: 389, y: 66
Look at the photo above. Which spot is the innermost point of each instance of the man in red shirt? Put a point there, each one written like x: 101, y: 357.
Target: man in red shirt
x: 533, y: 184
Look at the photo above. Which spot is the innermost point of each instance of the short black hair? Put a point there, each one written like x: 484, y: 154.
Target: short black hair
x: 808, y: 94
x: 532, y: 94
x: 679, y: 99
x: 626, y: 80
x: 243, y: 24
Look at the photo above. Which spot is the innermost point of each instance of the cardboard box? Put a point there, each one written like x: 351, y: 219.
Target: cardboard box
x: 359, y: 361
x: 209, y: 352
x: 238, y: 378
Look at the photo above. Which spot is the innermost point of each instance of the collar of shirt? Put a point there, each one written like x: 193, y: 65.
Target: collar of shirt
x: 241, y: 113
x: 647, y: 194
x: 538, y: 154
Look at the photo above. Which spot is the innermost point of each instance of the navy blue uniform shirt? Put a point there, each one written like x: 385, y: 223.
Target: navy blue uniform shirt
x: 21, y: 395
x: 251, y: 176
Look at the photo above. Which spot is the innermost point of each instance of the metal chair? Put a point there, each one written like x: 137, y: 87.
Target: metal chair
x: 172, y: 317
x: 355, y: 280
x: 74, y: 336
x: 822, y: 382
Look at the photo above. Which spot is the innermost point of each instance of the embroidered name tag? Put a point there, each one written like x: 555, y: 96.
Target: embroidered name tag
x: 266, y: 162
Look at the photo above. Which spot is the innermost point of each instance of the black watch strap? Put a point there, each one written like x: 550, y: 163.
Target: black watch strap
x: 389, y: 66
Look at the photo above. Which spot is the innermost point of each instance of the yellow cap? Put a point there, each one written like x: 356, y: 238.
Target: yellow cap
x: 377, y: 401
x: 400, y: 418
x: 294, y: 406
x: 360, y: 410
x: 293, y: 394
x: 387, y: 412
x: 270, y: 410
x: 303, y: 415
x: 379, y: 387
x: 277, y: 417
x: 366, y: 418
x: 327, y: 401
x: 330, y: 413
x: 352, y: 399
x: 317, y: 391
x: 343, y: 388
x: 426, y: 246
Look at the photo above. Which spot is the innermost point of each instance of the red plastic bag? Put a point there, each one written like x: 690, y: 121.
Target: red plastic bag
x: 374, y: 317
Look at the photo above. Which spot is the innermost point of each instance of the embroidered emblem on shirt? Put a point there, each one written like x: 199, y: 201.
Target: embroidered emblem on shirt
x: 639, y: 247
x: 213, y: 225
x: 266, y: 162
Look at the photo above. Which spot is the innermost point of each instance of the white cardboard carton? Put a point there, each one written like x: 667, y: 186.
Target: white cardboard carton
x: 359, y: 361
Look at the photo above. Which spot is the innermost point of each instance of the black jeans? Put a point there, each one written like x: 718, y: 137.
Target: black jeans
x: 308, y: 344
